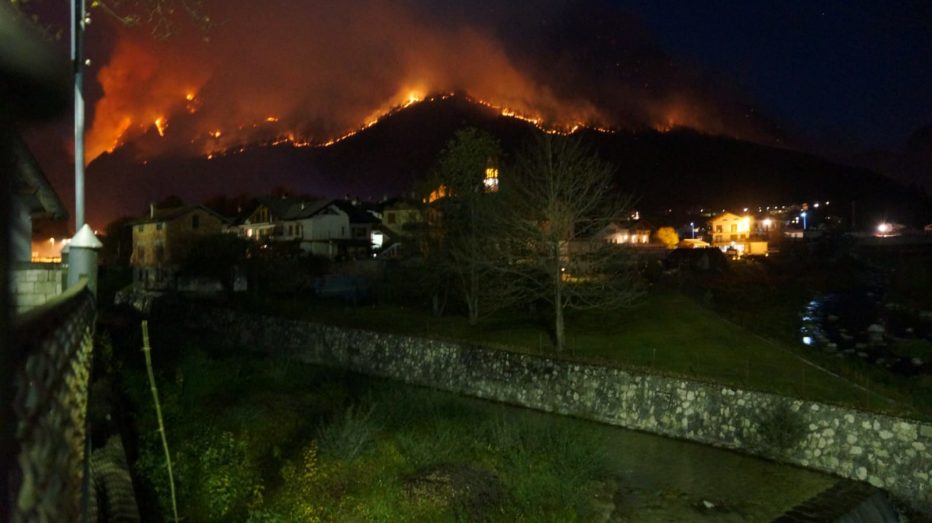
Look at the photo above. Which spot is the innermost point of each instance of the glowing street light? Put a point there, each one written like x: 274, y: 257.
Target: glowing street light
x: 803, y: 216
x: 884, y: 228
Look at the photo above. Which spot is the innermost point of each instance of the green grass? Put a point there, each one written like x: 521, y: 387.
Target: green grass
x: 914, y: 348
x: 258, y: 440
x: 667, y: 333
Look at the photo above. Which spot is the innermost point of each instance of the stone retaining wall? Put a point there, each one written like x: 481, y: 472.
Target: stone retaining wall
x: 33, y: 284
x: 888, y: 452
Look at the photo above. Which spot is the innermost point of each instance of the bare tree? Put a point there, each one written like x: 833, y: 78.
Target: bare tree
x: 559, y: 198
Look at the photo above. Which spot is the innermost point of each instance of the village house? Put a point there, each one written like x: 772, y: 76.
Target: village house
x: 743, y: 235
x: 328, y: 228
x: 336, y: 229
x: 259, y: 221
x: 401, y: 216
x: 624, y: 235
x: 163, y: 239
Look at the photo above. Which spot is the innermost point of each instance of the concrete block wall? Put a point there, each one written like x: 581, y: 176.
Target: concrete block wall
x: 33, y: 284
x: 888, y: 452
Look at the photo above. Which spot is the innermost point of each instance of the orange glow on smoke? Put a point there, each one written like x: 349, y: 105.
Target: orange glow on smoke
x: 271, y: 119
x: 139, y: 91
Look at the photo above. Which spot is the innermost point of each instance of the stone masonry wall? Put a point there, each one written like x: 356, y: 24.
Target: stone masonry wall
x: 888, y: 452
x: 33, y: 284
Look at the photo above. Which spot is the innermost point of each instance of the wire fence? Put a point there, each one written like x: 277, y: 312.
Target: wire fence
x: 55, y: 344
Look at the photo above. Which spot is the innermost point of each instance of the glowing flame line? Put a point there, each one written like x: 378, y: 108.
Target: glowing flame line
x: 411, y: 99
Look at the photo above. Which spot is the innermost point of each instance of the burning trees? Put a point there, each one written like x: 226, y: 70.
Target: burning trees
x: 462, y: 214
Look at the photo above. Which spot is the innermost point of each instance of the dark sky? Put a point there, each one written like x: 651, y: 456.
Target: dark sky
x: 837, y: 78
x: 844, y: 75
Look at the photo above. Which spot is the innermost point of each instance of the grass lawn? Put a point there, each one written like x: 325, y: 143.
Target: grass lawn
x: 914, y: 348
x: 667, y: 333
x: 258, y: 440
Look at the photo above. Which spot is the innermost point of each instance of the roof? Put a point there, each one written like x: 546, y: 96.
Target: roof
x: 400, y: 203
x: 33, y: 186
x: 173, y: 213
x: 305, y: 209
x: 279, y: 206
x: 726, y: 216
x: 357, y: 213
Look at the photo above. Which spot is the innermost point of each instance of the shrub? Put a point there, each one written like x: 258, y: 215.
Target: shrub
x: 780, y: 428
x: 348, y: 436
x: 298, y: 497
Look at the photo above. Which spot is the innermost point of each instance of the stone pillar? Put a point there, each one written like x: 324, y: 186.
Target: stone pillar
x: 82, y: 258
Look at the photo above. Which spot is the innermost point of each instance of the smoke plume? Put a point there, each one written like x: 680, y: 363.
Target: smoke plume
x: 309, y: 72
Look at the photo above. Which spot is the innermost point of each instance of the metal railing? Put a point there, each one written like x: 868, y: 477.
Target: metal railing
x: 54, y: 344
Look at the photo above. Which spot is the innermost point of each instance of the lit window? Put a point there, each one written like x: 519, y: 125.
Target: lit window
x: 491, y: 179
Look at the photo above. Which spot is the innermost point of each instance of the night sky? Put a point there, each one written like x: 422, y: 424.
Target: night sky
x: 846, y: 80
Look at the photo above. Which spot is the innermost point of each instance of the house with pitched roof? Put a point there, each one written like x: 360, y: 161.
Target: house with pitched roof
x: 162, y: 240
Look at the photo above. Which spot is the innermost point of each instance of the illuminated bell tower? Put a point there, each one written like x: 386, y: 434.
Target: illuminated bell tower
x: 490, y: 182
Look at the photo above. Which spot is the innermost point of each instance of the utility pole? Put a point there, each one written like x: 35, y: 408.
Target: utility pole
x: 78, y: 22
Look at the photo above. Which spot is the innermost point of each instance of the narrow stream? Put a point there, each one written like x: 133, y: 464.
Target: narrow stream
x: 662, y: 479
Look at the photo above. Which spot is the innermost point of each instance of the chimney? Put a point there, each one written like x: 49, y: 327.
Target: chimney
x: 151, y: 210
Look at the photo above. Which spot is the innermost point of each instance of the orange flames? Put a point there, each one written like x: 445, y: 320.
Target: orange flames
x: 160, y: 125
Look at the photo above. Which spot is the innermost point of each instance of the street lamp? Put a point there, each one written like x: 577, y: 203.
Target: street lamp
x: 693, y: 226
x: 803, y: 216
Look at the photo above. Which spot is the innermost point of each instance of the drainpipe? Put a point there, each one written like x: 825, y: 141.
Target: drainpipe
x: 78, y: 22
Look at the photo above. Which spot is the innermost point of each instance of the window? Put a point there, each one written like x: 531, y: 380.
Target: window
x: 141, y: 227
x: 718, y: 228
x: 158, y: 226
x: 733, y: 237
x: 159, y: 253
x: 718, y: 238
x: 734, y: 227
x: 195, y: 221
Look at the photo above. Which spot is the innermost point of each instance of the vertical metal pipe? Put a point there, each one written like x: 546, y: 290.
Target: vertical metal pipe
x: 77, y: 59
